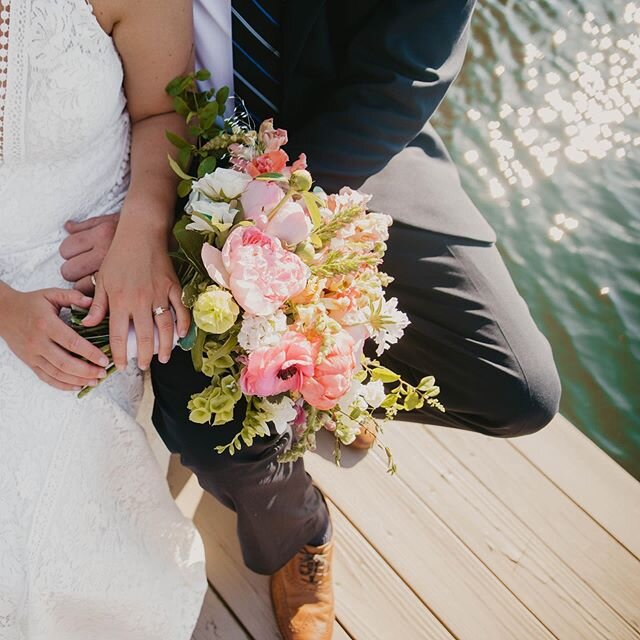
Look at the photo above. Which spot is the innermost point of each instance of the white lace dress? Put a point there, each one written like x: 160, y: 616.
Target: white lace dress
x: 91, y: 545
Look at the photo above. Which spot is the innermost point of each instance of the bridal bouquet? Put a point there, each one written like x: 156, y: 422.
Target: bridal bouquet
x: 284, y: 285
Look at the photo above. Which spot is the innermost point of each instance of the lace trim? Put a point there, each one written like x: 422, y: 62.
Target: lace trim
x: 5, y: 18
x: 16, y: 81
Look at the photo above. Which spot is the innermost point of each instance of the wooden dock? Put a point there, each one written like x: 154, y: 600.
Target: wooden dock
x: 475, y: 538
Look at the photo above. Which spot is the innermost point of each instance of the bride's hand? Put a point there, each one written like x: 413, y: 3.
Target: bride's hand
x: 32, y: 328
x: 136, y: 277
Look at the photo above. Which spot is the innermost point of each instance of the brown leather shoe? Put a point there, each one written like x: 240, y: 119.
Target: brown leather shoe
x: 366, y: 438
x: 302, y: 595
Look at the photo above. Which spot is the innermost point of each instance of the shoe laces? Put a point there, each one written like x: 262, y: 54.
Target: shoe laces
x: 313, y: 567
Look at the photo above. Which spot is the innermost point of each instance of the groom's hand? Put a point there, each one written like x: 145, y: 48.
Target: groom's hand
x: 85, y: 248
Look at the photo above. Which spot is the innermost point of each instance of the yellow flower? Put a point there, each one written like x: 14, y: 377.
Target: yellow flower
x: 215, y: 311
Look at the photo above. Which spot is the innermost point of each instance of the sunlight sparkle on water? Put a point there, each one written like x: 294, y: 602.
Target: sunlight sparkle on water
x: 573, y: 112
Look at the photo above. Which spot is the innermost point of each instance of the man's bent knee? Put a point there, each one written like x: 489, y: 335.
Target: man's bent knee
x: 524, y: 404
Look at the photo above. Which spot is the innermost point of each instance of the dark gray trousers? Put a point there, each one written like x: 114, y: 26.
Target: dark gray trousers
x: 470, y: 328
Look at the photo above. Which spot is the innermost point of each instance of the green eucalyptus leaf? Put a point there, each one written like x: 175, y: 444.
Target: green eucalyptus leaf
x: 202, y: 75
x: 181, y: 107
x: 176, y: 140
x: 384, y: 374
x: 270, y: 176
x: 413, y: 401
x: 426, y: 383
x: 208, y: 115
x: 207, y: 166
x: 178, y: 169
x: 222, y: 96
x: 184, y: 188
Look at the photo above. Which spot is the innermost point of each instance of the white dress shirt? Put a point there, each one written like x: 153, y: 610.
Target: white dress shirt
x: 214, y: 45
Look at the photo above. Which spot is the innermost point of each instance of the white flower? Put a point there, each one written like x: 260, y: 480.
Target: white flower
x: 350, y: 397
x: 388, y: 325
x: 373, y: 393
x: 210, y: 213
x: 223, y: 183
x: 348, y: 198
x: 261, y: 331
x: 281, y: 412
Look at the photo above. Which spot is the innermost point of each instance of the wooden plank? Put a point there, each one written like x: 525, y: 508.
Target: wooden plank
x: 538, y: 577
x: 371, y: 599
x: 216, y: 623
x: 461, y: 591
x: 247, y: 593
x: 574, y: 536
x: 589, y: 477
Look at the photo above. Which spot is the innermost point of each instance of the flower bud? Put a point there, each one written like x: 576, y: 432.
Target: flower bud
x: 305, y: 252
x: 301, y: 180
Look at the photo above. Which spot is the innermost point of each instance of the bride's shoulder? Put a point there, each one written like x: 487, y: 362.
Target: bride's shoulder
x: 110, y: 13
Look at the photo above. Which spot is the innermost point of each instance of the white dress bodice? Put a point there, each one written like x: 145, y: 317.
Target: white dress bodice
x: 91, y: 544
x: 65, y: 129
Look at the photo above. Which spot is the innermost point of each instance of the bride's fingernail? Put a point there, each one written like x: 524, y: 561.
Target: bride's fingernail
x: 104, y: 362
x: 102, y: 375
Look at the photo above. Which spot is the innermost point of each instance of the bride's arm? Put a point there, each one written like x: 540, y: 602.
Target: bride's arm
x: 155, y: 40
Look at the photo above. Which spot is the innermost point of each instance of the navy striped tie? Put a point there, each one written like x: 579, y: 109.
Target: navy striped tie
x: 256, y: 55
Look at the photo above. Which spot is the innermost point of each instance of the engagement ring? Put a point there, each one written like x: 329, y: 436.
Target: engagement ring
x: 159, y: 311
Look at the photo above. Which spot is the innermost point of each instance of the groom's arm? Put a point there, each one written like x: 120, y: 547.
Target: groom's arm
x: 396, y: 71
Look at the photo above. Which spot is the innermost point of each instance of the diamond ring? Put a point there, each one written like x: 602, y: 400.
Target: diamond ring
x: 158, y: 311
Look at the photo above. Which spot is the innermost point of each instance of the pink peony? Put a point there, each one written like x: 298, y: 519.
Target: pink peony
x: 279, y: 369
x: 261, y: 274
x: 333, y: 376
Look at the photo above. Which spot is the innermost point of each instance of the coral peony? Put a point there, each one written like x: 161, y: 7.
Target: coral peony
x: 279, y: 369
x: 271, y: 162
x: 333, y: 375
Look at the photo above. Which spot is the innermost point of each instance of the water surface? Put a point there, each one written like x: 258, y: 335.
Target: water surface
x: 543, y: 123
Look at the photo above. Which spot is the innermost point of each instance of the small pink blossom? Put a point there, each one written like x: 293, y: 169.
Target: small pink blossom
x: 261, y: 274
x: 300, y: 163
x: 279, y: 369
x: 347, y: 198
x: 333, y: 375
x: 271, y: 138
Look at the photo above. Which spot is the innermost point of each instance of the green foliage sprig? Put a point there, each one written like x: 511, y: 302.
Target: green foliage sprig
x: 203, y: 112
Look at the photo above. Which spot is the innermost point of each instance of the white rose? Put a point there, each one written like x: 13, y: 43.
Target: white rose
x: 223, y: 183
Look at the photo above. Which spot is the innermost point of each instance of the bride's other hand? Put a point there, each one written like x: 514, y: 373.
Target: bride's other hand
x: 85, y: 248
x: 31, y: 326
x: 155, y: 41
